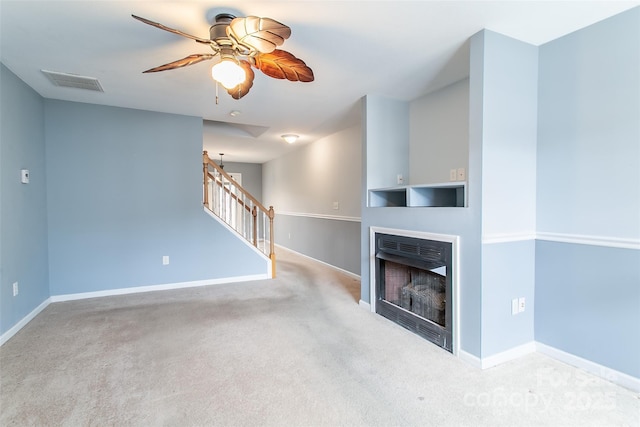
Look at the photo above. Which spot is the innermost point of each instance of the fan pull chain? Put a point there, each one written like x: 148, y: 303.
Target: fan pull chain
x: 216, y: 93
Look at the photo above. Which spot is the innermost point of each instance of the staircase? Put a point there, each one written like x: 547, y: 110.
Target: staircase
x: 234, y: 205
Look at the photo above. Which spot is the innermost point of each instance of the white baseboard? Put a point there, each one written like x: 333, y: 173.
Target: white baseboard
x: 151, y: 288
x: 611, y: 375
x: 470, y: 359
x: 23, y: 322
x: 506, y: 356
x: 365, y: 305
x: 616, y: 377
x: 499, y: 358
x: 348, y: 273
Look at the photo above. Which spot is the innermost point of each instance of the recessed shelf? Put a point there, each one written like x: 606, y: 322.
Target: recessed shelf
x: 450, y: 194
x: 388, y: 197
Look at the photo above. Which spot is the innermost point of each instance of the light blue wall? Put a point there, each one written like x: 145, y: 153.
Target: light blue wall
x: 588, y: 297
x: 588, y: 303
x: 23, y: 209
x: 589, y: 131
x: 509, y: 122
x: 508, y: 271
x: 509, y: 136
x: 390, y: 155
x: 124, y: 189
x: 381, y: 121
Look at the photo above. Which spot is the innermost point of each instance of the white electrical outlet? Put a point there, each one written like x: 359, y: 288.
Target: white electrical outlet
x: 336, y: 206
x: 165, y: 260
x: 521, y: 305
x: 453, y: 175
x: 462, y: 175
x: 15, y: 289
x: 514, y: 306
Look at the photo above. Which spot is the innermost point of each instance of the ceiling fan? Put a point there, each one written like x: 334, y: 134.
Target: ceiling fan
x: 242, y: 43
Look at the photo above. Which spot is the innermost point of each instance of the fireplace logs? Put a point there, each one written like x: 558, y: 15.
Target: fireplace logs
x: 425, y: 296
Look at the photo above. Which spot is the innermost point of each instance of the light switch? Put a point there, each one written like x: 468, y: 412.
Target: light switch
x: 514, y: 306
x: 24, y: 176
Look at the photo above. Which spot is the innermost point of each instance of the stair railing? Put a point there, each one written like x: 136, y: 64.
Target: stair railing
x: 223, y: 196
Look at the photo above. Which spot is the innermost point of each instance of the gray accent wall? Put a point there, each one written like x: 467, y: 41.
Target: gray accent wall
x: 587, y: 291
x: 299, y: 233
x: 23, y: 207
x: 124, y: 189
x: 439, y: 134
x: 304, y: 186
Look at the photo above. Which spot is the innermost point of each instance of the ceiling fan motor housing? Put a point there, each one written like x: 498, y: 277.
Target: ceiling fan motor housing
x: 218, y: 31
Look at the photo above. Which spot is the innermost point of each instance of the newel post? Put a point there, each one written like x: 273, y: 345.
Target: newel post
x: 205, y: 178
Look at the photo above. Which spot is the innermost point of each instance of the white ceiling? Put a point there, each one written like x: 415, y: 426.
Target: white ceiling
x: 400, y: 49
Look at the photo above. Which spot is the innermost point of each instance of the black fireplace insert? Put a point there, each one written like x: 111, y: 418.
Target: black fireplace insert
x: 413, y: 279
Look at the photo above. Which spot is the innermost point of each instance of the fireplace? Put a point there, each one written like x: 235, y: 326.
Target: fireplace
x: 413, y: 285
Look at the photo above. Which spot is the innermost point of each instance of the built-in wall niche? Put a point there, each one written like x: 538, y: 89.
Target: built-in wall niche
x: 413, y: 148
x: 424, y: 195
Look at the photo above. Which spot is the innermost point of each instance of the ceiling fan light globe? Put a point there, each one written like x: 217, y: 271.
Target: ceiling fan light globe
x: 228, y: 74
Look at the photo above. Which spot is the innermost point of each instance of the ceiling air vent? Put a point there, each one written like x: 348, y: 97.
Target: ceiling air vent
x: 73, y: 80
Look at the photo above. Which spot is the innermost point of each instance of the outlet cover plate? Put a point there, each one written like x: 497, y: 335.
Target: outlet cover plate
x: 521, y: 305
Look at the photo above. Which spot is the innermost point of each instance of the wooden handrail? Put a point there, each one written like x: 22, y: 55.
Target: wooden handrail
x: 206, y: 162
x: 240, y: 202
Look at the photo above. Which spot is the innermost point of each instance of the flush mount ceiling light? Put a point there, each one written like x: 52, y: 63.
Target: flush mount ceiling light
x: 235, y: 113
x: 290, y: 137
x: 240, y: 44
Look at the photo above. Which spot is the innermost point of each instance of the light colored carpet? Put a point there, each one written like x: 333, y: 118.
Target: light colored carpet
x: 294, y: 351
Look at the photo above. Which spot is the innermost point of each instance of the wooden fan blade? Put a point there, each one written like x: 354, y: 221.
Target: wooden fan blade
x: 281, y: 64
x: 172, y: 30
x: 261, y: 34
x: 189, y: 60
x: 243, y: 88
